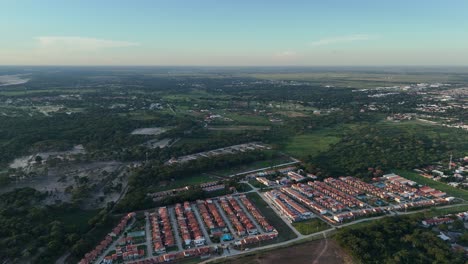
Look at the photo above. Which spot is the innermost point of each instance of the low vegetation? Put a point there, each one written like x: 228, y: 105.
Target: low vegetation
x: 396, y: 240
x: 452, y: 191
x: 311, y: 226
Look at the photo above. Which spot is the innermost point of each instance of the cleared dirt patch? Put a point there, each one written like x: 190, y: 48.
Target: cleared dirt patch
x: 320, y: 251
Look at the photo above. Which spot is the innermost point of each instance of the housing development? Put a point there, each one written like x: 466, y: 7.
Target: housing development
x: 191, y: 229
x: 228, y: 224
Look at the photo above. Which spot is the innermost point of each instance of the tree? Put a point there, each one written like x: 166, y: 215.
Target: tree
x: 38, y: 159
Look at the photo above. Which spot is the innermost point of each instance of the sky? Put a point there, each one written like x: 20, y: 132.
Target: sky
x: 234, y: 32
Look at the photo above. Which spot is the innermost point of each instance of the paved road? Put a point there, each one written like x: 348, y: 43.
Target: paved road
x: 201, y: 224
x: 175, y: 227
x: 149, y: 241
x: 236, y: 253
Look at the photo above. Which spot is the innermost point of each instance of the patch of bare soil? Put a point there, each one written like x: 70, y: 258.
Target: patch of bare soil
x: 325, y: 251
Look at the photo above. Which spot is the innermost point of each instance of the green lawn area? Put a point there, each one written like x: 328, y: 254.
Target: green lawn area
x: 312, y: 143
x: 29, y: 92
x: 362, y: 80
x: 285, y: 233
x: 237, y: 128
x: 251, y: 166
x: 192, y: 180
x: 452, y: 191
x: 310, y: 226
x: 445, y: 211
x: 249, y: 119
x: 257, y: 184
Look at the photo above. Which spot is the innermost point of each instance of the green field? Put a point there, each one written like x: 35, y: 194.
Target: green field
x: 285, y: 233
x: 311, y: 144
x: 187, y: 181
x: 257, y: 184
x: 310, y: 226
x: 360, y: 80
x: 237, y: 128
x: 452, y: 191
x: 249, y: 119
x: 32, y: 92
x: 251, y: 166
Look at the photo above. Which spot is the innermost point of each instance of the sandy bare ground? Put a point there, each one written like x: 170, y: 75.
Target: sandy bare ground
x: 324, y: 251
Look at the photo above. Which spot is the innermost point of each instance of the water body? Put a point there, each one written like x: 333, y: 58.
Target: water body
x: 25, y: 161
x: 149, y: 131
x: 6, y: 80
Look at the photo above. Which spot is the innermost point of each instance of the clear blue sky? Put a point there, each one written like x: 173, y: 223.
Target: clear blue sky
x: 234, y: 32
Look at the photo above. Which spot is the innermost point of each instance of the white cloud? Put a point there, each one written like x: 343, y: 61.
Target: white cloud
x: 81, y: 43
x: 341, y: 39
x: 287, y: 54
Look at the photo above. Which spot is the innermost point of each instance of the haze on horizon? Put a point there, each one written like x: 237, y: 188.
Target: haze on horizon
x: 234, y: 33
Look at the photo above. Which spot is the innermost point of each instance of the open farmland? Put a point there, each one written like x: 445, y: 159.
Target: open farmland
x: 319, y: 251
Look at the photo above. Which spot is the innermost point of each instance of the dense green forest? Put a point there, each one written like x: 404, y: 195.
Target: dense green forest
x: 29, y: 229
x: 396, y: 240
x: 390, y: 147
x: 146, y: 178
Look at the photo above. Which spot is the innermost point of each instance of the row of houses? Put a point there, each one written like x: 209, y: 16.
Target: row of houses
x: 401, y: 190
x: 239, y: 228
x: 339, y: 218
x: 207, y: 187
x: 126, y: 253
x: 287, y: 207
x: 256, y: 239
x: 296, y: 193
x: 295, y: 176
x: 264, y: 173
x: 392, y: 177
x: 194, y: 226
x: 169, y: 240
x: 214, y: 188
x: 437, y: 221
x: 129, y: 252
x: 188, y: 226
x: 211, y: 217
x: 157, y: 196
x: 242, y: 216
x: 265, y: 181
x: 105, y: 243
x: 428, y: 191
x: 261, y: 220
x: 156, y: 235
x: 221, y: 151
x: 336, y: 194
x: 161, y: 231
x: 203, y: 252
x: 343, y: 190
x: 343, y: 186
x: 365, y: 187
x: 325, y: 201
x: 304, y: 189
x: 216, y: 214
x: 447, y: 219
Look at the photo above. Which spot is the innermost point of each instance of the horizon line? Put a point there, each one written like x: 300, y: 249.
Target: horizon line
x: 228, y: 66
